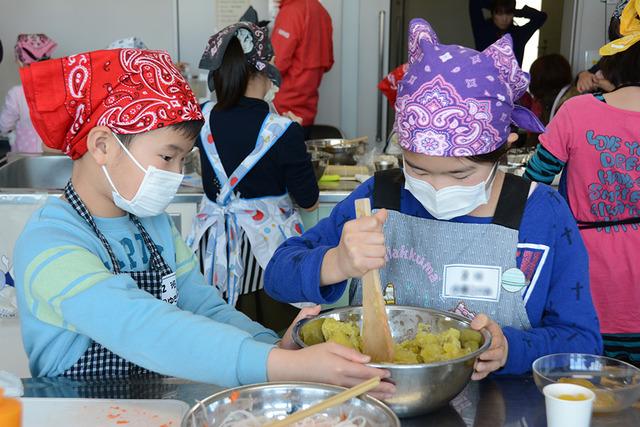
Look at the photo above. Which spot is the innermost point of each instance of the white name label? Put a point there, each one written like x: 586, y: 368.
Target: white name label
x: 474, y: 282
x: 170, y: 289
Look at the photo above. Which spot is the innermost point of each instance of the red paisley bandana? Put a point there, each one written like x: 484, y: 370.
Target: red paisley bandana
x: 128, y: 90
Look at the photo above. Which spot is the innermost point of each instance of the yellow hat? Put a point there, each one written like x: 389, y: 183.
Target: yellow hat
x: 629, y: 29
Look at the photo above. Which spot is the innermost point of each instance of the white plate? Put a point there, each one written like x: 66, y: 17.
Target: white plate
x: 54, y: 412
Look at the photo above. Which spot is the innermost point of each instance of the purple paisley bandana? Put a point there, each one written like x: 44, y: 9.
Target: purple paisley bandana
x: 456, y: 102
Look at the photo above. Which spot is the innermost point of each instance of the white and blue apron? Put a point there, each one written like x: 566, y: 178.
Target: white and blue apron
x: 266, y: 222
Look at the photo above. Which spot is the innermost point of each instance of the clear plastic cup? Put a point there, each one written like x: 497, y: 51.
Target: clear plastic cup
x: 568, y: 405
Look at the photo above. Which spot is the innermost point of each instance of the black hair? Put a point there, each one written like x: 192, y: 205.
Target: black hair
x: 189, y: 129
x: 231, y: 79
x: 614, y: 29
x: 623, y: 67
x: 503, y: 6
x: 492, y: 157
x: 549, y: 74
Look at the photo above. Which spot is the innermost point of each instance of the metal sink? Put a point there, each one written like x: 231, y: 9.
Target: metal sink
x: 46, y: 172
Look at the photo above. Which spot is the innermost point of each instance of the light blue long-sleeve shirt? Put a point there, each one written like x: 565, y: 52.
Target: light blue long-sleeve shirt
x: 68, y: 296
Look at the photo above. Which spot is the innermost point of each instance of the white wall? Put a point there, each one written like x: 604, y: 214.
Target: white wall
x: 591, y: 19
x: 330, y: 103
x: 348, y: 93
x: 367, y: 76
x: 83, y: 25
x: 197, y: 22
x: 182, y: 27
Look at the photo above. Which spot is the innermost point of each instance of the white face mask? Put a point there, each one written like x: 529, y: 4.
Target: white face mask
x: 450, y: 202
x: 156, y: 191
x: 271, y: 94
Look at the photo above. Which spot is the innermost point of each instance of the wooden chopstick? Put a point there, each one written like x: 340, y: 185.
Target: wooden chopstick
x: 328, y: 403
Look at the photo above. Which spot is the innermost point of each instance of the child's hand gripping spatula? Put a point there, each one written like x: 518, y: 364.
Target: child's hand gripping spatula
x: 376, y: 335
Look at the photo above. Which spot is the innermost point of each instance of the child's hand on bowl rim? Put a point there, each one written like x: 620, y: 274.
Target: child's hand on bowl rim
x: 496, y: 356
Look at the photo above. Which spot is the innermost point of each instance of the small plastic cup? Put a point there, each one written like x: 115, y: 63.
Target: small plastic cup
x: 10, y: 411
x: 562, y: 411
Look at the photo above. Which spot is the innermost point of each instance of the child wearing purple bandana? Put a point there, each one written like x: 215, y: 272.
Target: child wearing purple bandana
x: 450, y: 230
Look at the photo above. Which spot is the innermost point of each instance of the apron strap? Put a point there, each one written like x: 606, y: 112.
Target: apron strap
x: 78, y: 205
x: 387, y: 186
x: 512, y: 201
x: 157, y: 262
x: 208, y: 145
x: 273, y: 127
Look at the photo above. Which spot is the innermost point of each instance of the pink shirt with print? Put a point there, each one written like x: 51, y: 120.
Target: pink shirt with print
x: 15, y: 117
x: 601, y: 147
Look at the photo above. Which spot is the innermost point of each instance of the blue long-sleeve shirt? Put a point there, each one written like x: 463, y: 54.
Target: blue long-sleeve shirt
x: 68, y: 296
x: 550, y: 253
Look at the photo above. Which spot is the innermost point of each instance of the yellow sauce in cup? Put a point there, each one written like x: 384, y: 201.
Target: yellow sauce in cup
x: 573, y: 397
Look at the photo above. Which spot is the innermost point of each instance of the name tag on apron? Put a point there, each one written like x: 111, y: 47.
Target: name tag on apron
x: 170, y: 289
x: 473, y: 282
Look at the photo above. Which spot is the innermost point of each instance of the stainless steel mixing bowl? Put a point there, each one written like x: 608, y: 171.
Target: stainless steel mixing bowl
x: 319, y: 160
x: 421, y: 388
x: 341, y: 151
x: 615, y: 383
x: 277, y: 400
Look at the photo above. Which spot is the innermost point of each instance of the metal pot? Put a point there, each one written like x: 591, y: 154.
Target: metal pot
x: 421, y: 388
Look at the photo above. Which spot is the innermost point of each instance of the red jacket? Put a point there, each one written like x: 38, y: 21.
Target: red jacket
x: 303, y: 43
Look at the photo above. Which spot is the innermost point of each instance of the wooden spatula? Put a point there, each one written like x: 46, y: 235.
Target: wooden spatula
x: 376, y: 335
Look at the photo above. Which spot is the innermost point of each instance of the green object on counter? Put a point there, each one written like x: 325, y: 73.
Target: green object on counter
x: 329, y: 178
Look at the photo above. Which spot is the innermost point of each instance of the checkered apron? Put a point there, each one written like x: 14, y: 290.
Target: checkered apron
x: 98, y: 361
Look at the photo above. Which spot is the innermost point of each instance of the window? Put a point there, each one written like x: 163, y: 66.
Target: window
x: 531, y: 49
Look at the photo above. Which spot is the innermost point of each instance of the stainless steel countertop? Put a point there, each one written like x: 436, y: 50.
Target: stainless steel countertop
x: 331, y: 192
x: 500, y: 401
x: 185, y: 194
x: 189, y: 194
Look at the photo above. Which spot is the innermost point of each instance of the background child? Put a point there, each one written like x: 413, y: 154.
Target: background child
x: 14, y: 116
x: 253, y: 164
